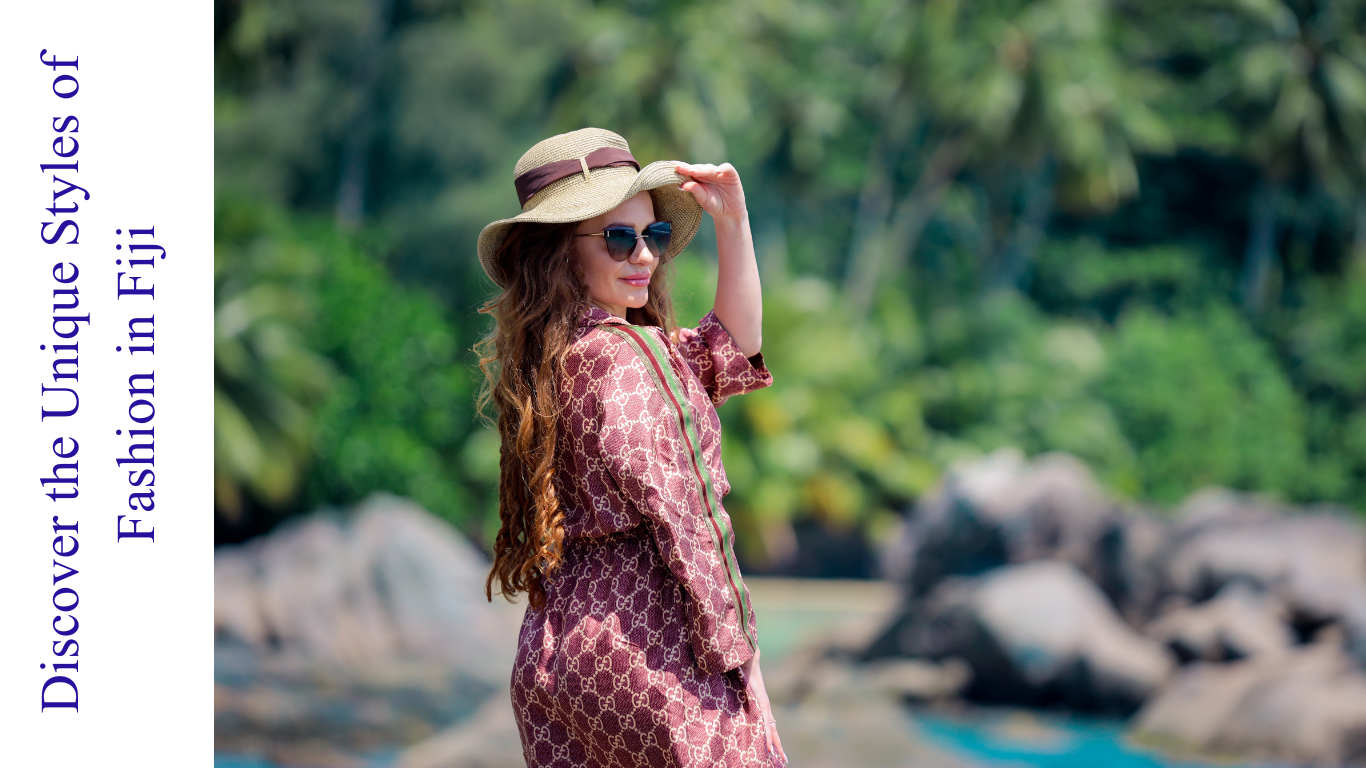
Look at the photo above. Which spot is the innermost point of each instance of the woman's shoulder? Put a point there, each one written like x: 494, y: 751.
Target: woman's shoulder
x: 596, y: 351
x: 592, y: 340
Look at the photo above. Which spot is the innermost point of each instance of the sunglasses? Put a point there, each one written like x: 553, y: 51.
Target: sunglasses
x: 621, y: 241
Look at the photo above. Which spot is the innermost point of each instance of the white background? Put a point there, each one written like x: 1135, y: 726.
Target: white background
x: 146, y: 156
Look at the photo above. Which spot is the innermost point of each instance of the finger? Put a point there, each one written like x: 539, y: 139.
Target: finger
x: 725, y: 171
x: 698, y: 191
x: 716, y: 170
x: 690, y: 172
x: 774, y: 747
x: 721, y: 177
x: 701, y: 196
x: 702, y: 169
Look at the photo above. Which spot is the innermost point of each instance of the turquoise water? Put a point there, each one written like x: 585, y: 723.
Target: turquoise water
x: 382, y: 759
x: 240, y: 761
x: 1018, y: 738
x: 1006, y: 739
x: 994, y: 739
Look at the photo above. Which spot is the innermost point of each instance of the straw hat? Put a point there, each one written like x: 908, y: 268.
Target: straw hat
x: 585, y: 173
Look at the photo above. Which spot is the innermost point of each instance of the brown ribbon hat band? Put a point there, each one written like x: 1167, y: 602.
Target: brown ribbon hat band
x: 542, y: 176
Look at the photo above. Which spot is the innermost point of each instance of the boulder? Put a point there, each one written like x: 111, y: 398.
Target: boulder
x: 391, y: 582
x: 1038, y: 634
x: 835, y: 713
x: 1313, y: 560
x: 814, y: 671
x: 1003, y: 509
x: 1214, y: 507
x: 847, y: 725
x: 918, y: 680
x: 1239, y: 622
x: 1132, y: 563
x: 354, y: 631
x: 489, y: 739
x: 1306, y: 707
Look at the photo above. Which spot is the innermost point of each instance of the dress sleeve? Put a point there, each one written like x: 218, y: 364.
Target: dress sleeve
x: 645, y: 451
x: 718, y: 362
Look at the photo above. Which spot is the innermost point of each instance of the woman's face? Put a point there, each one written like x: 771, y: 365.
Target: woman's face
x: 615, y: 285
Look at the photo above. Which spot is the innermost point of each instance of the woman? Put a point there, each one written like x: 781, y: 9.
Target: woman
x: 639, y: 647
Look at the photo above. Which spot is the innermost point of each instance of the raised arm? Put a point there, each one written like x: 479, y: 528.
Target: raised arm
x: 739, y: 303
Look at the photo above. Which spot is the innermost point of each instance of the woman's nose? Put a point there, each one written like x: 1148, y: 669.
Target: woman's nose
x: 641, y: 253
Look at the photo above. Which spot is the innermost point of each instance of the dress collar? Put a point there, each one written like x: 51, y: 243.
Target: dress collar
x: 597, y: 316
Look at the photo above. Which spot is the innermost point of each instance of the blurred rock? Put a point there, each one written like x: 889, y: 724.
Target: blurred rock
x: 1313, y: 561
x: 1001, y: 509
x: 847, y: 725
x: 1237, y: 623
x: 392, y: 582
x: 312, y: 753
x: 834, y: 713
x: 359, y: 631
x: 487, y: 740
x: 919, y: 680
x: 1305, y: 707
x: 1217, y: 507
x: 1132, y: 564
x: 816, y: 671
x: 1035, y: 634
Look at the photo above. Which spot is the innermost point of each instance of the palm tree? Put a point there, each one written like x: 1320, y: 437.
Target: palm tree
x: 267, y: 382
x: 1037, y: 82
x: 766, y: 85
x: 1294, y: 78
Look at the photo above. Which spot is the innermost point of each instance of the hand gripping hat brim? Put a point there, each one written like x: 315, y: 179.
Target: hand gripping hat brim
x: 585, y: 173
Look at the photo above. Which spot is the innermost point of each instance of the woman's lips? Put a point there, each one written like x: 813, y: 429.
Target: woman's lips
x: 638, y: 281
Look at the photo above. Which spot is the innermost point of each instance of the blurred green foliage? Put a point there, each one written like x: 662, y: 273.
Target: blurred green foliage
x: 1132, y: 230
x: 1204, y: 401
x: 390, y: 398
x: 269, y: 379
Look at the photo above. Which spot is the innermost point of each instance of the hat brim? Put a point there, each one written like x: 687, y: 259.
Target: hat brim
x: 575, y: 198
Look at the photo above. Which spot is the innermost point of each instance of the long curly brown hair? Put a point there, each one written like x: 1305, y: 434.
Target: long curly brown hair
x: 536, y: 319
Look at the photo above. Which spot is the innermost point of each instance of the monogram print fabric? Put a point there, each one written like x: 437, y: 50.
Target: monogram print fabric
x: 633, y: 660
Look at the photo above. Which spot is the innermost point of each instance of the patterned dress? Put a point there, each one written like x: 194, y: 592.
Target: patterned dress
x: 633, y: 660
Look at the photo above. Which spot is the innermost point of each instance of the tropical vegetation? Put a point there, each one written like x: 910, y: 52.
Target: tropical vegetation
x: 1134, y: 230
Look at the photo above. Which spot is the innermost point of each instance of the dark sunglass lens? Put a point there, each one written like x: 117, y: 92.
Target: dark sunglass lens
x: 621, y: 241
x: 658, y: 236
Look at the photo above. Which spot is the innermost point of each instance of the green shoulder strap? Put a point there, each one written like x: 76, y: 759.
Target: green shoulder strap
x: 671, y: 389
